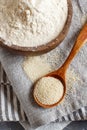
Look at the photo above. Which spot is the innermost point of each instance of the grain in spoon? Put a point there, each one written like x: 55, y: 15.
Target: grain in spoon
x: 58, y: 75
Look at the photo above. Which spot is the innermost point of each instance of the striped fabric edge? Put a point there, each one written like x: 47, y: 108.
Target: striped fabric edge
x: 10, y: 108
x: 80, y: 114
x: 3, y: 77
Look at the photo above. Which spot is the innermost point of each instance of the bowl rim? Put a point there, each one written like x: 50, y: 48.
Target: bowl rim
x: 45, y: 47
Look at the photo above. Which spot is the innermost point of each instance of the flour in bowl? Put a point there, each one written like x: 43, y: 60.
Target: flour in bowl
x: 31, y: 23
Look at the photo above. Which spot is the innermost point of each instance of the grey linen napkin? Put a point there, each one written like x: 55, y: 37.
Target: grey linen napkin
x: 11, y: 110
x: 22, y: 92
x: 22, y: 86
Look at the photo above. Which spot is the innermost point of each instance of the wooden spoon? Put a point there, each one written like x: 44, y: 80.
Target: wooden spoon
x: 60, y: 73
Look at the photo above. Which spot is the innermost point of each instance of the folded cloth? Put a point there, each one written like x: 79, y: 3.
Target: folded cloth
x: 82, y: 6
x: 11, y: 110
x: 22, y: 86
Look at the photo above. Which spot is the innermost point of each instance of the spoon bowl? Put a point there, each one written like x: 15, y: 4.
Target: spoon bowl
x: 64, y: 91
x: 60, y: 73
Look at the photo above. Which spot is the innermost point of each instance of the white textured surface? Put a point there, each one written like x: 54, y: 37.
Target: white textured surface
x: 31, y: 23
x: 33, y: 67
x: 48, y: 90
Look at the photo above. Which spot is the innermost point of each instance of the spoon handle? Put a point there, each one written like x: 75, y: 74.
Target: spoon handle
x: 82, y: 38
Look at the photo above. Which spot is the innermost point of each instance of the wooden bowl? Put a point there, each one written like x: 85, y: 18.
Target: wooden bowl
x: 43, y: 48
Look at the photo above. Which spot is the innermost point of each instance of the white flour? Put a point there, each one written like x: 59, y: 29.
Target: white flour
x: 31, y: 22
